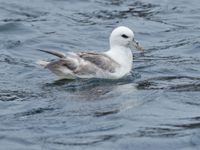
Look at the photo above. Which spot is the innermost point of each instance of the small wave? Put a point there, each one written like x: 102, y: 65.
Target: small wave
x: 15, y: 61
x: 9, y: 95
x: 33, y: 112
x: 171, y: 83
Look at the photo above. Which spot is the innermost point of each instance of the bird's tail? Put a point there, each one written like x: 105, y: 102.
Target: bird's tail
x: 42, y: 63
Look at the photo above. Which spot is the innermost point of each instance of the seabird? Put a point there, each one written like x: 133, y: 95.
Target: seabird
x: 112, y: 64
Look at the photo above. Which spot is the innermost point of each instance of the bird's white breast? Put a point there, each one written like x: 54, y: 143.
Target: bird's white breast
x: 123, y: 56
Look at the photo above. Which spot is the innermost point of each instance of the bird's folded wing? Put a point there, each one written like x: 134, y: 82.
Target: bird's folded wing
x: 100, y: 60
x: 55, y: 53
x: 63, y: 63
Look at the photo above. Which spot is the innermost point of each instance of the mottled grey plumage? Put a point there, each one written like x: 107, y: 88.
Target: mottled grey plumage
x: 62, y: 62
x: 100, y: 60
x: 93, y: 63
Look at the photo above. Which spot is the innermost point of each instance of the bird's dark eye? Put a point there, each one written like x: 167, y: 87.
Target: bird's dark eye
x: 124, y: 36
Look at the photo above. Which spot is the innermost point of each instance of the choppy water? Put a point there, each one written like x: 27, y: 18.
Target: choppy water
x: 157, y: 107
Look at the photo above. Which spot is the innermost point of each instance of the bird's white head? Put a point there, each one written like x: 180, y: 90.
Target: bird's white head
x: 122, y: 36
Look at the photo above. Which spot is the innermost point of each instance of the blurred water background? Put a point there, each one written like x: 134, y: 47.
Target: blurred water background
x: 156, y: 107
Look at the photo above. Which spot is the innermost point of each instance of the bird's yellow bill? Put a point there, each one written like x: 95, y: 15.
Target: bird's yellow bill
x: 136, y: 45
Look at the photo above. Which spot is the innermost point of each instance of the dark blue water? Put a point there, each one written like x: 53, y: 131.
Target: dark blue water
x: 156, y: 107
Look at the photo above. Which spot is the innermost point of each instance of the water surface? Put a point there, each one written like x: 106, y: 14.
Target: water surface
x: 156, y: 107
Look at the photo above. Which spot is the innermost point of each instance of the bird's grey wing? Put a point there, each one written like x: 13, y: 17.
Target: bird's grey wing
x: 100, y: 60
x: 69, y: 64
x: 56, y: 53
x: 78, y: 69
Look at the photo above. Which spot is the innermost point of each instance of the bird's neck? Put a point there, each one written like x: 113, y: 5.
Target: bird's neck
x: 121, y: 54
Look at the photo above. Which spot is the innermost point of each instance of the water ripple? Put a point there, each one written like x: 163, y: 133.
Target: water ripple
x: 155, y: 107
